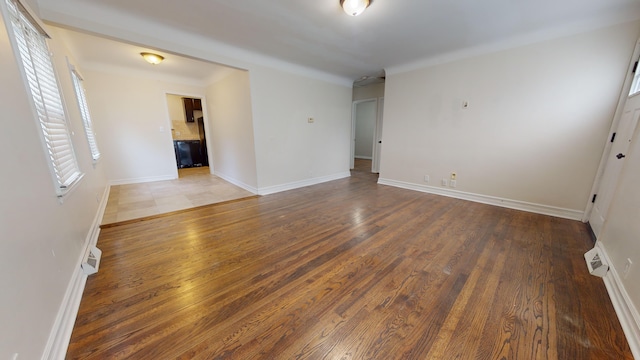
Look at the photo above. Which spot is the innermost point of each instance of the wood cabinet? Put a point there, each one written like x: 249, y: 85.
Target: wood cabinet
x: 190, y: 105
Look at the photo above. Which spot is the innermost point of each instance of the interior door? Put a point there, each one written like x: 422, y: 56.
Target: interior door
x: 619, y: 149
x: 377, y: 145
x: 363, y: 129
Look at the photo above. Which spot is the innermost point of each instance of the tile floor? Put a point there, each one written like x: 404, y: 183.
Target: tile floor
x: 194, y: 187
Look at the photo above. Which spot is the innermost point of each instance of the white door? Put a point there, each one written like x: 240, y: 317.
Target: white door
x: 377, y: 144
x: 619, y: 149
x: 363, y: 129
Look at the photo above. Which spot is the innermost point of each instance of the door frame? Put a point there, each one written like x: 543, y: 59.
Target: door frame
x: 622, y: 100
x: 354, y: 106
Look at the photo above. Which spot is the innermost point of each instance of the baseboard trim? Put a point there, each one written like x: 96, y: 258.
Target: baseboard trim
x: 60, y: 335
x: 237, y: 183
x: 141, y: 180
x: 627, y: 313
x: 298, y: 184
x: 490, y: 200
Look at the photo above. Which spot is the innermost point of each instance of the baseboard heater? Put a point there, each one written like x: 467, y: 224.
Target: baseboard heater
x: 595, y: 263
x: 91, y: 265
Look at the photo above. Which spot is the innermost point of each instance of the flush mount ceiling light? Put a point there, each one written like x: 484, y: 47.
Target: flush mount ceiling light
x: 152, y: 58
x: 354, y: 7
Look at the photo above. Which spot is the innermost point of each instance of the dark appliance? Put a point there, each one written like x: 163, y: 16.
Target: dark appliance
x: 188, y: 153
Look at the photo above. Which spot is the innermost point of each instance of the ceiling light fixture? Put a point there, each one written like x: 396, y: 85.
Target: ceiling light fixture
x: 354, y: 7
x: 152, y: 58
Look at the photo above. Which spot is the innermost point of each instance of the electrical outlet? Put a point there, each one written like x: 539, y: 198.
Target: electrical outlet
x: 454, y: 175
x: 310, y: 120
x: 426, y: 178
x: 465, y: 104
x: 452, y: 183
x: 627, y: 268
x: 444, y: 182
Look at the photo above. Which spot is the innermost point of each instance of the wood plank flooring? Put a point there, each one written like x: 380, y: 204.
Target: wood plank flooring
x: 347, y: 270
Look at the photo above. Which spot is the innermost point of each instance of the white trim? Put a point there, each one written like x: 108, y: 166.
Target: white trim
x: 236, y: 182
x: 142, y: 180
x: 58, y: 342
x: 298, y: 184
x: 490, y: 200
x: 627, y: 313
x: 363, y: 157
x: 63, y: 327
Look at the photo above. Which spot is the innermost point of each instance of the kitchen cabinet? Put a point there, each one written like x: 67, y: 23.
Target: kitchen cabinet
x: 190, y: 105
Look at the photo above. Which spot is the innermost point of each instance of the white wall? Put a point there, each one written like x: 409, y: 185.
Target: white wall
x: 133, y: 124
x: 41, y: 240
x: 368, y: 92
x: 536, y: 124
x: 289, y: 149
x: 231, y: 124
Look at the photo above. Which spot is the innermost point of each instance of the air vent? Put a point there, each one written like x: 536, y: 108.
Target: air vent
x: 91, y: 265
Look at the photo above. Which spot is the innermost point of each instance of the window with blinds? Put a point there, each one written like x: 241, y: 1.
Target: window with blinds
x: 30, y: 40
x: 86, y: 116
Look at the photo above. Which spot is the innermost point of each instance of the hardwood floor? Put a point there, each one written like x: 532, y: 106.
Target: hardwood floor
x: 347, y: 270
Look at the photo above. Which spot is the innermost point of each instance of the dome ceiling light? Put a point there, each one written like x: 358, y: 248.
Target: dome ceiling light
x: 152, y: 58
x: 354, y: 7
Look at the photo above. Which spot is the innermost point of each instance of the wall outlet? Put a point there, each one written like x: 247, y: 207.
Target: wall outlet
x: 310, y: 120
x: 426, y: 178
x: 454, y: 175
x: 465, y: 104
x: 627, y: 268
x: 452, y: 183
x: 444, y: 182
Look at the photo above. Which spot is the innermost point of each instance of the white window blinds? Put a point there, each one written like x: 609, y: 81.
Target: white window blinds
x: 86, y: 116
x: 38, y: 67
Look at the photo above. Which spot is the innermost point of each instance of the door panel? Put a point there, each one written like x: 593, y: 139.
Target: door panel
x: 606, y: 189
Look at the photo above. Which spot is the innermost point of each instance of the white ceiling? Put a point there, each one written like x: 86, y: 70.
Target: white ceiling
x: 391, y: 34
x: 105, y: 54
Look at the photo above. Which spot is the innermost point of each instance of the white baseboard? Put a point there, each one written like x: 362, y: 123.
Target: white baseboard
x: 237, y: 183
x: 298, y: 184
x: 627, y: 313
x: 142, y: 180
x: 490, y: 200
x: 60, y: 335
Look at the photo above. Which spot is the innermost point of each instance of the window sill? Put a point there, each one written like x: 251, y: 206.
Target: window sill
x: 63, y: 193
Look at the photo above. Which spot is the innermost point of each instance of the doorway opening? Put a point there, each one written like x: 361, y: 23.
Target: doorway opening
x: 366, y: 121
x: 188, y: 132
x: 366, y: 132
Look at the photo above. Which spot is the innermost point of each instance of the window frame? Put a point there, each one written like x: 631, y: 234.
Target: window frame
x: 29, y: 44
x: 81, y: 98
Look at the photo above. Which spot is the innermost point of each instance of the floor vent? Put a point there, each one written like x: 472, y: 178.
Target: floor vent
x: 595, y: 263
x: 91, y: 265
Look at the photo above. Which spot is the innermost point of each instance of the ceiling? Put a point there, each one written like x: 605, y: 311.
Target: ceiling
x: 95, y: 52
x: 391, y: 34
